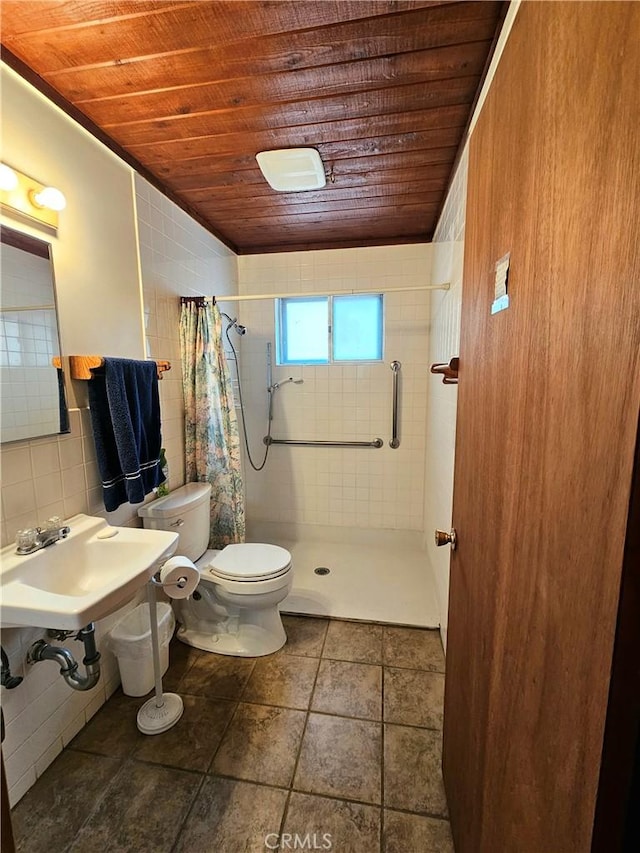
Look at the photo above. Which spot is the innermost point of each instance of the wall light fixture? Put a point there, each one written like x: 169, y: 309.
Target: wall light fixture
x: 22, y: 195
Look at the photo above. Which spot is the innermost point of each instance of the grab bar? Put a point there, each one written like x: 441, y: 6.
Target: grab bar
x: 395, y: 441
x: 377, y: 442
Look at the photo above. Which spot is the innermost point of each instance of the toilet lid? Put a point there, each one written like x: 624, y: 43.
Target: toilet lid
x: 250, y: 561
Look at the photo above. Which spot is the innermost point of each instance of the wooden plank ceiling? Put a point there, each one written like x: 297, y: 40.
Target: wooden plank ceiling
x: 189, y: 92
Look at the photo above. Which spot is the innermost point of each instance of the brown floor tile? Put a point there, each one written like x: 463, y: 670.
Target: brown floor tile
x: 261, y: 745
x: 305, y: 635
x: 349, y: 689
x: 348, y: 827
x: 192, y: 742
x: 217, y: 676
x: 354, y: 641
x: 48, y: 817
x: 232, y: 817
x: 113, y: 730
x: 414, y: 648
x: 413, y: 697
x: 340, y: 758
x: 142, y: 811
x: 285, y: 680
x: 411, y: 832
x: 181, y: 659
x: 412, y: 770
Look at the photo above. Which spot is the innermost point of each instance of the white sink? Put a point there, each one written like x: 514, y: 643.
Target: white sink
x: 82, y: 578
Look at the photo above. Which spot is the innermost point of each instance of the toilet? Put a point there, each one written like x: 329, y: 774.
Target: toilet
x: 234, y: 608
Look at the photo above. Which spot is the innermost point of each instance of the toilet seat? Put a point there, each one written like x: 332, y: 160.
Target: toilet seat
x: 250, y: 562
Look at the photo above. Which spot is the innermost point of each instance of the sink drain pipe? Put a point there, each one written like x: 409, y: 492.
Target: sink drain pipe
x: 68, y: 664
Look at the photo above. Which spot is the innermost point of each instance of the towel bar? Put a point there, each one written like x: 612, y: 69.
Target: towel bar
x: 80, y: 366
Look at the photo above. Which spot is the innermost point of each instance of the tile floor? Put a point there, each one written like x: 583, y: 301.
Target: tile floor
x: 337, y: 735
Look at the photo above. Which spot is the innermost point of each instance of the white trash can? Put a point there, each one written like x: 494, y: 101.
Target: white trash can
x: 130, y: 641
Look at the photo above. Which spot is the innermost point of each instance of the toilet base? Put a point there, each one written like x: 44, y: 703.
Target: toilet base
x: 249, y: 641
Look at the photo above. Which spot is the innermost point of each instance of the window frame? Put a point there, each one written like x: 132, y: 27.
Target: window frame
x: 280, y: 330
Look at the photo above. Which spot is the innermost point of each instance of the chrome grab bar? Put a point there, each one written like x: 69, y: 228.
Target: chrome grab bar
x: 395, y: 441
x: 377, y: 442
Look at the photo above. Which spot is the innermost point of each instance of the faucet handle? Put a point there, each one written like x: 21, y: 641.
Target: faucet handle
x: 53, y: 523
x: 26, y: 539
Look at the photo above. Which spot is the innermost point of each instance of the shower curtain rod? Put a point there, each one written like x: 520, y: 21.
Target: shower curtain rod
x: 349, y: 292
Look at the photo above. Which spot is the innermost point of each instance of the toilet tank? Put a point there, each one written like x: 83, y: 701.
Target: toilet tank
x: 184, y: 511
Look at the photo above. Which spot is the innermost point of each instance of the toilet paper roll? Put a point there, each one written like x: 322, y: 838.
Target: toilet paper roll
x: 179, y: 577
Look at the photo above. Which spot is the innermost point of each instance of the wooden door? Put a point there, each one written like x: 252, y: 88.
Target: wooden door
x: 548, y: 411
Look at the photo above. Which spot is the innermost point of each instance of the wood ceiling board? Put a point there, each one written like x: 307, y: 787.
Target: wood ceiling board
x: 308, y: 218
x: 427, y: 142
x: 28, y: 17
x: 297, y: 240
x: 189, y: 92
x: 344, y: 42
x: 233, y: 208
x: 349, y: 188
x: 264, y: 249
x: 420, y: 121
x: 302, y: 114
x: 198, y: 24
x: 411, y: 227
x: 449, y: 75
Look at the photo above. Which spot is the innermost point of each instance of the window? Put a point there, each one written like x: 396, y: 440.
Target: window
x: 326, y: 329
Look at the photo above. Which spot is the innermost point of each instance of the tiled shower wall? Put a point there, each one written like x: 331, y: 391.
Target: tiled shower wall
x: 345, y: 488
x: 444, y: 343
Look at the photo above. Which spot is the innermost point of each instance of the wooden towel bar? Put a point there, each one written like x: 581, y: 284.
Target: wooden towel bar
x: 80, y: 366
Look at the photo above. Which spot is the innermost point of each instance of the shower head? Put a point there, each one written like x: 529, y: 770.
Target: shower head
x: 276, y: 385
x: 233, y: 324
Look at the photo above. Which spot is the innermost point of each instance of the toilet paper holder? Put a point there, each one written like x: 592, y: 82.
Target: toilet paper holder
x: 180, y: 583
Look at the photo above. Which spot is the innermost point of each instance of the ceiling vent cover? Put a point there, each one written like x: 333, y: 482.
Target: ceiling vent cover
x: 292, y: 170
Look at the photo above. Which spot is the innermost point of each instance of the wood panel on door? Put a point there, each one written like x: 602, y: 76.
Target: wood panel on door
x: 548, y: 410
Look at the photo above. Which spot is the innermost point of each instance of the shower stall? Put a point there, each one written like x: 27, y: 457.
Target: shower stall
x: 334, y: 490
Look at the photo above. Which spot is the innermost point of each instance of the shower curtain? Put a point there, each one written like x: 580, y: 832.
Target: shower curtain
x: 212, y: 440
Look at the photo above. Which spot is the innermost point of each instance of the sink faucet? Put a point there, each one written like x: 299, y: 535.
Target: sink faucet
x: 34, y: 539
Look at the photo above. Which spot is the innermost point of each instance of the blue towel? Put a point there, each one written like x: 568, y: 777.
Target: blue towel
x: 125, y: 414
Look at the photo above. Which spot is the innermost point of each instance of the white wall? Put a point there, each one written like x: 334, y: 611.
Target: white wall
x: 444, y: 344
x: 346, y: 488
x: 98, y: 282
x: 94, y: 252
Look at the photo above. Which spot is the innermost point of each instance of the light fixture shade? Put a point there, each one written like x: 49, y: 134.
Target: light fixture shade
x: 8, y: 178
x: 51, y: 198
x: 23, y: 196
x: 290, y: 170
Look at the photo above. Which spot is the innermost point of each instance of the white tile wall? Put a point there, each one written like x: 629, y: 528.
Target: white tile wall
x: 178, y: 258
x: 43, y: 714
x: 444, y: 343
x: 56, y: 475
x: 357, y: 488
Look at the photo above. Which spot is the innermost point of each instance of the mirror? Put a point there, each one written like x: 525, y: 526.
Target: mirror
x: 32, y: 392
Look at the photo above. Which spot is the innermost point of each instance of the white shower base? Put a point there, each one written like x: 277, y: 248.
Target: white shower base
x: 378, y: 576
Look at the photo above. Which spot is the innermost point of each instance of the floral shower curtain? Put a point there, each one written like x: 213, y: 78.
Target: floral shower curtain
x: 212, y: 439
